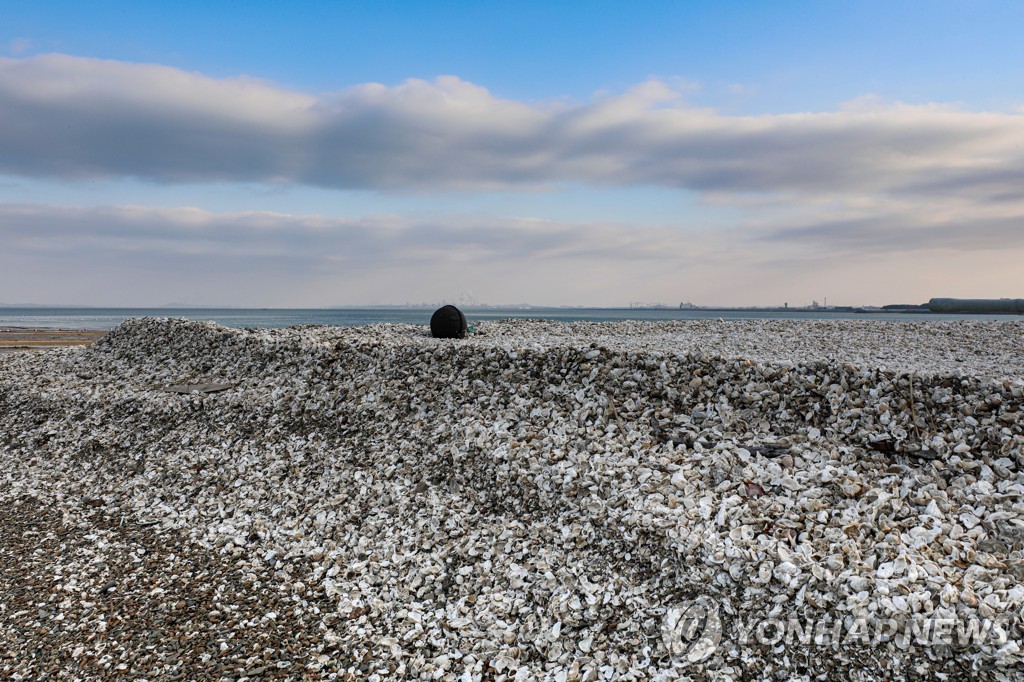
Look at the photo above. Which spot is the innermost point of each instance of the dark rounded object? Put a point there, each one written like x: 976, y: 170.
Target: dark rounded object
x: 448, y: 322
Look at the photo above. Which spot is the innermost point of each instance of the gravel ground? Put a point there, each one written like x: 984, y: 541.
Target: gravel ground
x: 977, y: 349
x: 104, y: 597
x: 535, y: 502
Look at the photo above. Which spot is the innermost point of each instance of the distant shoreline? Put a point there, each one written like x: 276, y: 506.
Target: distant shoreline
x: 22, y: 339
x: 33, y: 309
x: 102, y: 319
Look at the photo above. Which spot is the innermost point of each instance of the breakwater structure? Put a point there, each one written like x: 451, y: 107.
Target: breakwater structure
x: 987, y: 306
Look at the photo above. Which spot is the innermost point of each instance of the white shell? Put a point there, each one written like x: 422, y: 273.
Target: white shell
x: 535, y: 497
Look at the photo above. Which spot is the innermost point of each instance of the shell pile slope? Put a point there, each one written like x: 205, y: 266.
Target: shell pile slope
x: 541, y: 500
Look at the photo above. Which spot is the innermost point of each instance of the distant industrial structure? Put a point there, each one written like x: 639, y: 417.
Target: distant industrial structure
x: 977, y: 305
x: 640, y: 305
x: 963, y: 306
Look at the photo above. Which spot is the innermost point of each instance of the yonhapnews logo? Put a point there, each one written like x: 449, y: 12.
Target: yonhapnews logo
x: 692, y: 631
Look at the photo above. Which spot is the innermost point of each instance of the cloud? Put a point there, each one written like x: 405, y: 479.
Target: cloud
x: 138, y: 255
x: 901, y: 233
x: 84, y: 231
x: 865, y: 204
x: 69, y: 117
x: 135, y: 255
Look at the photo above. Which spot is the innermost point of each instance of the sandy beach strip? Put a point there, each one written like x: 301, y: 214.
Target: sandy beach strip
x: 565, y: 501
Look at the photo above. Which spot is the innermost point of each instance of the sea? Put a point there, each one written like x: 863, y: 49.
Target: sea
x: 108, y: 318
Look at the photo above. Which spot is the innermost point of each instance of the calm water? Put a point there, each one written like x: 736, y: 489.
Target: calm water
x: 107, y: 318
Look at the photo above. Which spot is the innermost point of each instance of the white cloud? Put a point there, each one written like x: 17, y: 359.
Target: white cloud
x: 82, y: 230
x: 865, y: 204
x: 857, y: 254
x: 69, y: 117
x: 138, y: 255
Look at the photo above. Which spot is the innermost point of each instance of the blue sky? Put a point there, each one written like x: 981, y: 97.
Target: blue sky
x: 557, y: 153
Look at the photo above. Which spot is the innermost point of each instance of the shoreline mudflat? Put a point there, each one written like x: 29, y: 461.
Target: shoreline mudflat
x: 538, y: 500
x: 20, y: 339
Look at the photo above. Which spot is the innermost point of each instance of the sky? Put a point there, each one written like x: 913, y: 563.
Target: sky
x: 268, y: 154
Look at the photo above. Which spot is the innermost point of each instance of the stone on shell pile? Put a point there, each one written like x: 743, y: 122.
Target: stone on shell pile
x: 530, y: 501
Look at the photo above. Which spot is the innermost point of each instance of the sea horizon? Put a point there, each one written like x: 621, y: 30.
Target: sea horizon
x: 103, y: 318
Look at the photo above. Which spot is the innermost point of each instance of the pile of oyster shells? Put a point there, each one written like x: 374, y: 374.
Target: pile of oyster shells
x: 539, y: 499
